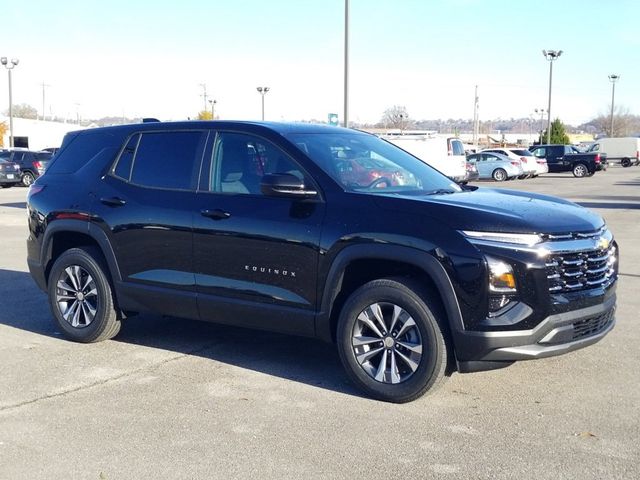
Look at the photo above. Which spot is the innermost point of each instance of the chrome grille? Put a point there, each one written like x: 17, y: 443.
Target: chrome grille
x: 575, y: 271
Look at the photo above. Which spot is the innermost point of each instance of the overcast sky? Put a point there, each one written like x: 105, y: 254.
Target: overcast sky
x: 149, y: 58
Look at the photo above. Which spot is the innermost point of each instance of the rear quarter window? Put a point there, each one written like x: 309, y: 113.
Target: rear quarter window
x: 79, y: 151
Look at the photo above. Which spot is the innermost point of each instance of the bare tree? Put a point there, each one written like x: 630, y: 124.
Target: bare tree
x: 23, y: 110
x: 396, y: 117
x: 624, y: 124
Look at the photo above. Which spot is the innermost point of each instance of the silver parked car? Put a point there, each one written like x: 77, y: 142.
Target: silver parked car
x: 495, y: 166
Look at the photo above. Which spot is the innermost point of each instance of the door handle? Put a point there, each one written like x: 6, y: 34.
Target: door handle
x: 113, y: 201
x: 216, y: 214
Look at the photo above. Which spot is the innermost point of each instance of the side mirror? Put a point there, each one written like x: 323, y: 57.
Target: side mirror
x: 285, y: 185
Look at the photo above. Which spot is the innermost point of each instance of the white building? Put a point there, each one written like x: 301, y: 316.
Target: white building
x: 37, y: 134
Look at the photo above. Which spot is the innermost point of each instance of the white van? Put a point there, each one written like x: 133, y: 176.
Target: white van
x: 625, y: 150
x: 444, y: 154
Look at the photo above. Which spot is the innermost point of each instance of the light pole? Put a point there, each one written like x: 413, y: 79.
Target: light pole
x: 541, y: 112
x: 10, y: 65
x: 262, y: 91
x: 213, y: 109
x: 346, y: 64
x: 551, y: 56
x: 613, y: 78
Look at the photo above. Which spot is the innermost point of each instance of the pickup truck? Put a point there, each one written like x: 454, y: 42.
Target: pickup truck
x: 565, y: 158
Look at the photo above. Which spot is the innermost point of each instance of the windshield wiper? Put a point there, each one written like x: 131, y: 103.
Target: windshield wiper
x: 440, y: 191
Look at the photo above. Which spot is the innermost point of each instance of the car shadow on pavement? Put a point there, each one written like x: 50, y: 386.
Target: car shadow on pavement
x: 14, y: 205
x: 304, y: 360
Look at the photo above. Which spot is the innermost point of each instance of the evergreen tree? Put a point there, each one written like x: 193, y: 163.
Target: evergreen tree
x: 558, y: 134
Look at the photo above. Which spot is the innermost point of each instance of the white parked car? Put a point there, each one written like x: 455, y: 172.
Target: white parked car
x: 528, y: 162
x: 540, y: 163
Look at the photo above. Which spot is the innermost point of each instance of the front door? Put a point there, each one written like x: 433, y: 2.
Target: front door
x: 256, y: 256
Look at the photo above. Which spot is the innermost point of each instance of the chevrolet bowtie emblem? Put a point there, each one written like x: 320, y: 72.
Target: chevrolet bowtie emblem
x: 603, y: 243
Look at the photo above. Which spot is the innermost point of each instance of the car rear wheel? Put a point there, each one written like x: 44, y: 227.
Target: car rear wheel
x: 390, y: 341
x: 580, y: 170
x: 499, y: 175
x: 625, y: 162
x: 81, y: 297
x: 27, y: 179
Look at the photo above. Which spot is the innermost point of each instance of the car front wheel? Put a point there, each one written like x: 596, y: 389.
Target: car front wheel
x: 390, y: 341
x: 81, y: 297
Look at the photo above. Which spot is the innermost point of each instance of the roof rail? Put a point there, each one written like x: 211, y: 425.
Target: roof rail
x: 149, y: 120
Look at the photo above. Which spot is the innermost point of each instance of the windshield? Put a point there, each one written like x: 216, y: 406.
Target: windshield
x: 366, y: 163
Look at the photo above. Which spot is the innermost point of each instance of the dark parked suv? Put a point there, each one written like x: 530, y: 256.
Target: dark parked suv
x: 32, y: 164
x: 255, y: 224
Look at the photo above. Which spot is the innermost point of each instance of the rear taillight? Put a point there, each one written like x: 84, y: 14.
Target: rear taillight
x: 524, y: 159
x: 597, y: 159
x: 638, y: 154
x: 37, y: 165
x: 515, y: 163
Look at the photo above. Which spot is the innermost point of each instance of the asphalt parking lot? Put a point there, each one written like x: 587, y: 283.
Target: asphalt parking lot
x: 170, y: 398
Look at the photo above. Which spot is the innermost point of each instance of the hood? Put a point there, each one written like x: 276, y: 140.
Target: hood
x: 508, y: 211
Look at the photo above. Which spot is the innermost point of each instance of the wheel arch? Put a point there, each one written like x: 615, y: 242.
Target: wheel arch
x: 62, y: 235
x: 396, y: 260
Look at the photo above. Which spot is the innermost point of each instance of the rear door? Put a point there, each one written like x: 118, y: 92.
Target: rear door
x: 145, y: 206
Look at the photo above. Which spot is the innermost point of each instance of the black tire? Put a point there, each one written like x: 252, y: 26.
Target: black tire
x: 499, y: 175
x: 429, y: 367
x: 580, y: 170
x: 105, y: 323
x: 27, y: 179
x: 625, y: 162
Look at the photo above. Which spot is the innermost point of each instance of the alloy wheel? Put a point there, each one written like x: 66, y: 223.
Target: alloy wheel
x: 387, y: 343
x: 77, y: 296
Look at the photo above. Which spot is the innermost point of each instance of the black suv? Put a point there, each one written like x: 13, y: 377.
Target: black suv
x: 32, y: 164
x: 253, y: 224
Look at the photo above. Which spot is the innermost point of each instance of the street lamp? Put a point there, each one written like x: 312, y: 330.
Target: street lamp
x: 262, y: 91
x: 346, y: 64
x: 541, y: 112
x: 10, y: 65
x: 213, y: 109
x: 613, y: 78
x: 550, y: 55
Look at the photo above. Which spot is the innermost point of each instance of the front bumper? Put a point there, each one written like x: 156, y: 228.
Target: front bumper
x: 555, y: 335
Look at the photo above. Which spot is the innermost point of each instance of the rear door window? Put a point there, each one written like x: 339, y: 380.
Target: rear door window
x: 168, y: 160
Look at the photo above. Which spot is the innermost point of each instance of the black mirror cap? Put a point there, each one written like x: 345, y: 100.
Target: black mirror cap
x: 285, y: 185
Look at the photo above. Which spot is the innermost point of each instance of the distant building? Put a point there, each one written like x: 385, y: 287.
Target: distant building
x: 37, y: 134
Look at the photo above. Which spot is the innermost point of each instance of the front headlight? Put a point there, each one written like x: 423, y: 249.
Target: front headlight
x: 527, y: 239
x: 501, y: 278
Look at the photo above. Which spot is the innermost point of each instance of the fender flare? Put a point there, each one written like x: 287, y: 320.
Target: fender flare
x: 85, y: 228
x: 417, y: 258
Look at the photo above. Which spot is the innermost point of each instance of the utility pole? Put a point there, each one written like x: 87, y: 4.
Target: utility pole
x: 204, y: 95
x: 475, y: 119
x: 44, y: 114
